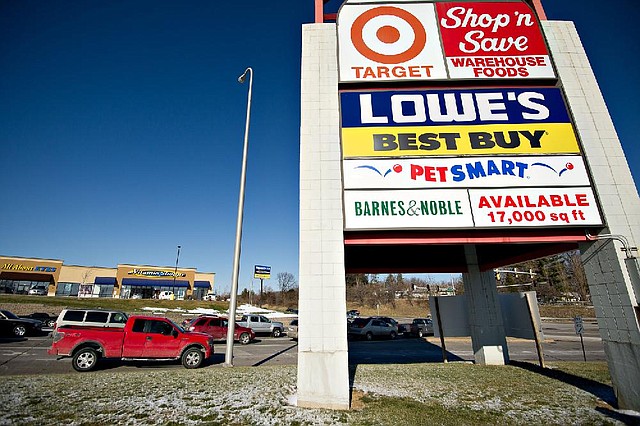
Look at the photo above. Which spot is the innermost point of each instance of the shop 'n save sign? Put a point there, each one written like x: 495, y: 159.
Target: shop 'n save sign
x: 438, y: 41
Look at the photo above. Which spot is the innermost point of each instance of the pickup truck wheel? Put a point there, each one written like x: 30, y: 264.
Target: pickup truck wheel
x: 192, y: 358
x: 19, y: 330
x: 244, y: 338
x: 393, y: 335
x: 277, y: 332
x: 85, y: 359
x: 369, y: 336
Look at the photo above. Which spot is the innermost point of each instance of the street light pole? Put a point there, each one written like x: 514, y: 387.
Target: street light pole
x: 228, y: 360
x: 175, y: 273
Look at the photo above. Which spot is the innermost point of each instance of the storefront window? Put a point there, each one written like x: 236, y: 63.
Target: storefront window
x: 86, y: 290
x: 20, y: 286
x: 67, y: 289
x: 103, y: 290
x: 150, y: 292
x: 199, y: 293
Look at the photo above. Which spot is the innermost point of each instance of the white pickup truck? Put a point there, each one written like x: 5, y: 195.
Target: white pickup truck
x: 262, y: 325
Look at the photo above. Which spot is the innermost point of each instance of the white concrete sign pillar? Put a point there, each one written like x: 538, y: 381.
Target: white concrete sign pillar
x: 323, y: 364
x: 488, y: 337
x: 616, y: 319
x: 610, y: 283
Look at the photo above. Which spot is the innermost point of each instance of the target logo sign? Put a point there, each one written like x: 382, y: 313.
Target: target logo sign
x: 389, y: 43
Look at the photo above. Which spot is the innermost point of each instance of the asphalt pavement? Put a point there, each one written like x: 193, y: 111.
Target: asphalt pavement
x: 29, y: 355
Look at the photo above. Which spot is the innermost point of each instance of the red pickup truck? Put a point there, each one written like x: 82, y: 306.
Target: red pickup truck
x: 142, y: 338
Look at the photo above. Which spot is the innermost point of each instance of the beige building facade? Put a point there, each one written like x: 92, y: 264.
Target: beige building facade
x: 19, y: 275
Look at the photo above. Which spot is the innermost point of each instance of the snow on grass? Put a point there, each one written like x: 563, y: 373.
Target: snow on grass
x: 264, y: 396
x: 241, y: 310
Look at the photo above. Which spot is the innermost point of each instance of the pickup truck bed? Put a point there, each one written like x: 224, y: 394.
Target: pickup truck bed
x: 142, y: 338
x: 261, y: 325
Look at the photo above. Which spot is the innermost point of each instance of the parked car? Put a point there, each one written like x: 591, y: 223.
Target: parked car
x: 353, y: 313
x: 38, y: 291
x: 12, y: 325
x: 262, y: 324
x: 142, y: 338
x: 370, y: 328
x: 217, y: 327
x: 47, y: 320
x: 419, y: 327
x: 166, y: 295
x: 91, y: 317
x: 292, y: 329
x: 389, y: 320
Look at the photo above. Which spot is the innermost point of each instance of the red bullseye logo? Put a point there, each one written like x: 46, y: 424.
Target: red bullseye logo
x: 388, y: 35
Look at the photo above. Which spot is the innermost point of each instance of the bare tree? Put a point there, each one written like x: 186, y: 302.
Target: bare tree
x: 86, y: 288
x: 579, y: 276
x: 357, y: 288
x: 286, y: 281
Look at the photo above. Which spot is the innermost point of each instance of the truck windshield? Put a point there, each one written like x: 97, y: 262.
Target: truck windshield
x: 182, y: 330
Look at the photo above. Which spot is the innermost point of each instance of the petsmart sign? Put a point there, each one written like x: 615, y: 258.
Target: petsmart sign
x: 465, y: 172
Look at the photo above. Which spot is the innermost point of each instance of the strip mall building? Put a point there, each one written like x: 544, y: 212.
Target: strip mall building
x: 20, y: 274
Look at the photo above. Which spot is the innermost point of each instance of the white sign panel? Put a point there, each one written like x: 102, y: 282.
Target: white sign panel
x: 528, y: 207
x: 465, y: 172
x: 389, y: 43
x: 412, y: 209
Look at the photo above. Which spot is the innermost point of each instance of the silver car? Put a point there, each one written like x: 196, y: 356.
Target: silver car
x: 292, y: 330
x: 371, y: 328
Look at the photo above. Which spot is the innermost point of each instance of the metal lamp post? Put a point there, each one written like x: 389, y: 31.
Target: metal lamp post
x: 175, y: 272
x: 228, y: 361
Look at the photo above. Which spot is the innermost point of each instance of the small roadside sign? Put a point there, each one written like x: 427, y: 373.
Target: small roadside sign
x: 578, y: 325
x: 262, y: 272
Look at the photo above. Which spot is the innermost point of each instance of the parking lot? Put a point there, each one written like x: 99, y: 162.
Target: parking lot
x: 29, y: 355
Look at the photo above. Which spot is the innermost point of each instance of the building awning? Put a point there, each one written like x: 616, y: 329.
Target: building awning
x: 202, y: 284
x: 154, y: 283
x: 105, y: 280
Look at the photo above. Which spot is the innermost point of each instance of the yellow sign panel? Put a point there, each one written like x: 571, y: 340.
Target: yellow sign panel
x: 420, y: 141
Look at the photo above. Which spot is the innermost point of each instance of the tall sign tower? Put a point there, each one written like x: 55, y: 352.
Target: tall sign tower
x: 438, y: 137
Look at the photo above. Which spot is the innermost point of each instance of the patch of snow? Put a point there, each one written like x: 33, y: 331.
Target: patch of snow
x: 246, y: 309
x: 204, y: 311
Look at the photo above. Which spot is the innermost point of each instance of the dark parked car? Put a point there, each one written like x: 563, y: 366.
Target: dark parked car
x: 11, y: 324
x: 47, y: 320
x: 419, y: 327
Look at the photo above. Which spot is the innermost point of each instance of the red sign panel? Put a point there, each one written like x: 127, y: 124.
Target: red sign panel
x: 493, y: 40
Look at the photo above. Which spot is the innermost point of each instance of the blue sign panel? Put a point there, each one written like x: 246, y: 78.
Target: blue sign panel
x: 452, y: 107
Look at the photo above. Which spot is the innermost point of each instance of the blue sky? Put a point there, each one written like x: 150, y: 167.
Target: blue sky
x: 121, y: 126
